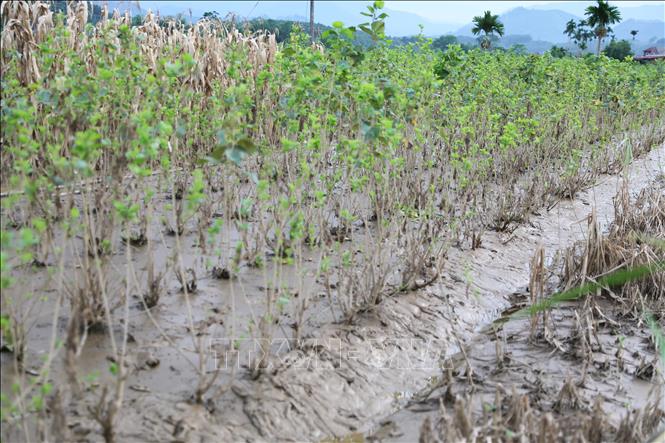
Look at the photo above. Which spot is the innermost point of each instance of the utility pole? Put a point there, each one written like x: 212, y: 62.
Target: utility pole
x: 311, y: 19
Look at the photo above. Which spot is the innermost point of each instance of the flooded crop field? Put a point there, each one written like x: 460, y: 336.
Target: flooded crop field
x: 209, y: 235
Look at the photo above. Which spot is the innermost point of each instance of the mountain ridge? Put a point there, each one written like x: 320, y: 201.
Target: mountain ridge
x: 549, y: 24
x: 541, y: 22
x: 398, y: 23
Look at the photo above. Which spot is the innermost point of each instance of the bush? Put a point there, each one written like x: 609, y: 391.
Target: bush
x: 618, y: 50
x: 443, y: 42
x: 559, y: 52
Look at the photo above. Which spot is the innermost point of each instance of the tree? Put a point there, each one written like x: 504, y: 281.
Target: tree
x: 600, y: 17
x: 211, y: 15
x: 489, y: 24
x: 618, y: 49
x: 634, y: 33
x: 519, y: 48
x: 559, y: 52
x: 443, y: 42
x: 571, y: 27
x: 579, y: 33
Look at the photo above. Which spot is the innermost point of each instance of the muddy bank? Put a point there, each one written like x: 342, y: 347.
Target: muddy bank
x: 331, y: 389
x: 507, y: 380
x: 585, y: 369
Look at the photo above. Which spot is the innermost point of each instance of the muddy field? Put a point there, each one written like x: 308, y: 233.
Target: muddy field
x: 208, y: 235
x: 443, y: 363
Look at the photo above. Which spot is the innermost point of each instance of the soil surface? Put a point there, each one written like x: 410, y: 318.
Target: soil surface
x: 381, y: 377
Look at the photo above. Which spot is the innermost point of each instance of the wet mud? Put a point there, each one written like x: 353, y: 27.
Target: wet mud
x: 381, y: 377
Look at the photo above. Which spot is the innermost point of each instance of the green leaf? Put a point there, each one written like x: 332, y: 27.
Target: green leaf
x: 378, y: 27
x: 46, y: 388
x: 616, y: 278
x: 173, y: 69
x: 44, y: 96
x: 246, y: 144
x: 218, y: 153
x: 370, y: 132
x: 221, y: 137
x: 236, y: 155
x: 657, y: 333
x: 105, y: 74
x: 347, y: 33
x: 39, y: 224
x: 37, y: 402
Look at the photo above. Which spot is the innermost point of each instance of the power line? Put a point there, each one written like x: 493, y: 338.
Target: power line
x: 252, y: 10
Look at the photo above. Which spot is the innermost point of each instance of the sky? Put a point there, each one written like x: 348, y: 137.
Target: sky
x: 462, y: 12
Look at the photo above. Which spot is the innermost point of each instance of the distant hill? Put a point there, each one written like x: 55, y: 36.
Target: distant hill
x: 548, y: 25
x: 654, y: 11
x: 648, y: 29
x: 531, y: 45
x: 542, y: 24
x: 282, y: 29
x: 398, y: 23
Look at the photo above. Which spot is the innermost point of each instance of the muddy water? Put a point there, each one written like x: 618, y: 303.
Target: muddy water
x: 365, y: 379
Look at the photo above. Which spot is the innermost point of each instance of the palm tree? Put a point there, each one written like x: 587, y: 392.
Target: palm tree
x: 571, y: 28
x: 634, y: 33
x: 600, y: 17
x: 489, y: 24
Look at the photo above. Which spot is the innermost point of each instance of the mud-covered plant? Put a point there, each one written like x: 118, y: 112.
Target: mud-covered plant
x: 362, y: 281
x: 14, y: 337
x: 537, y: 281
x: 358, y: 148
